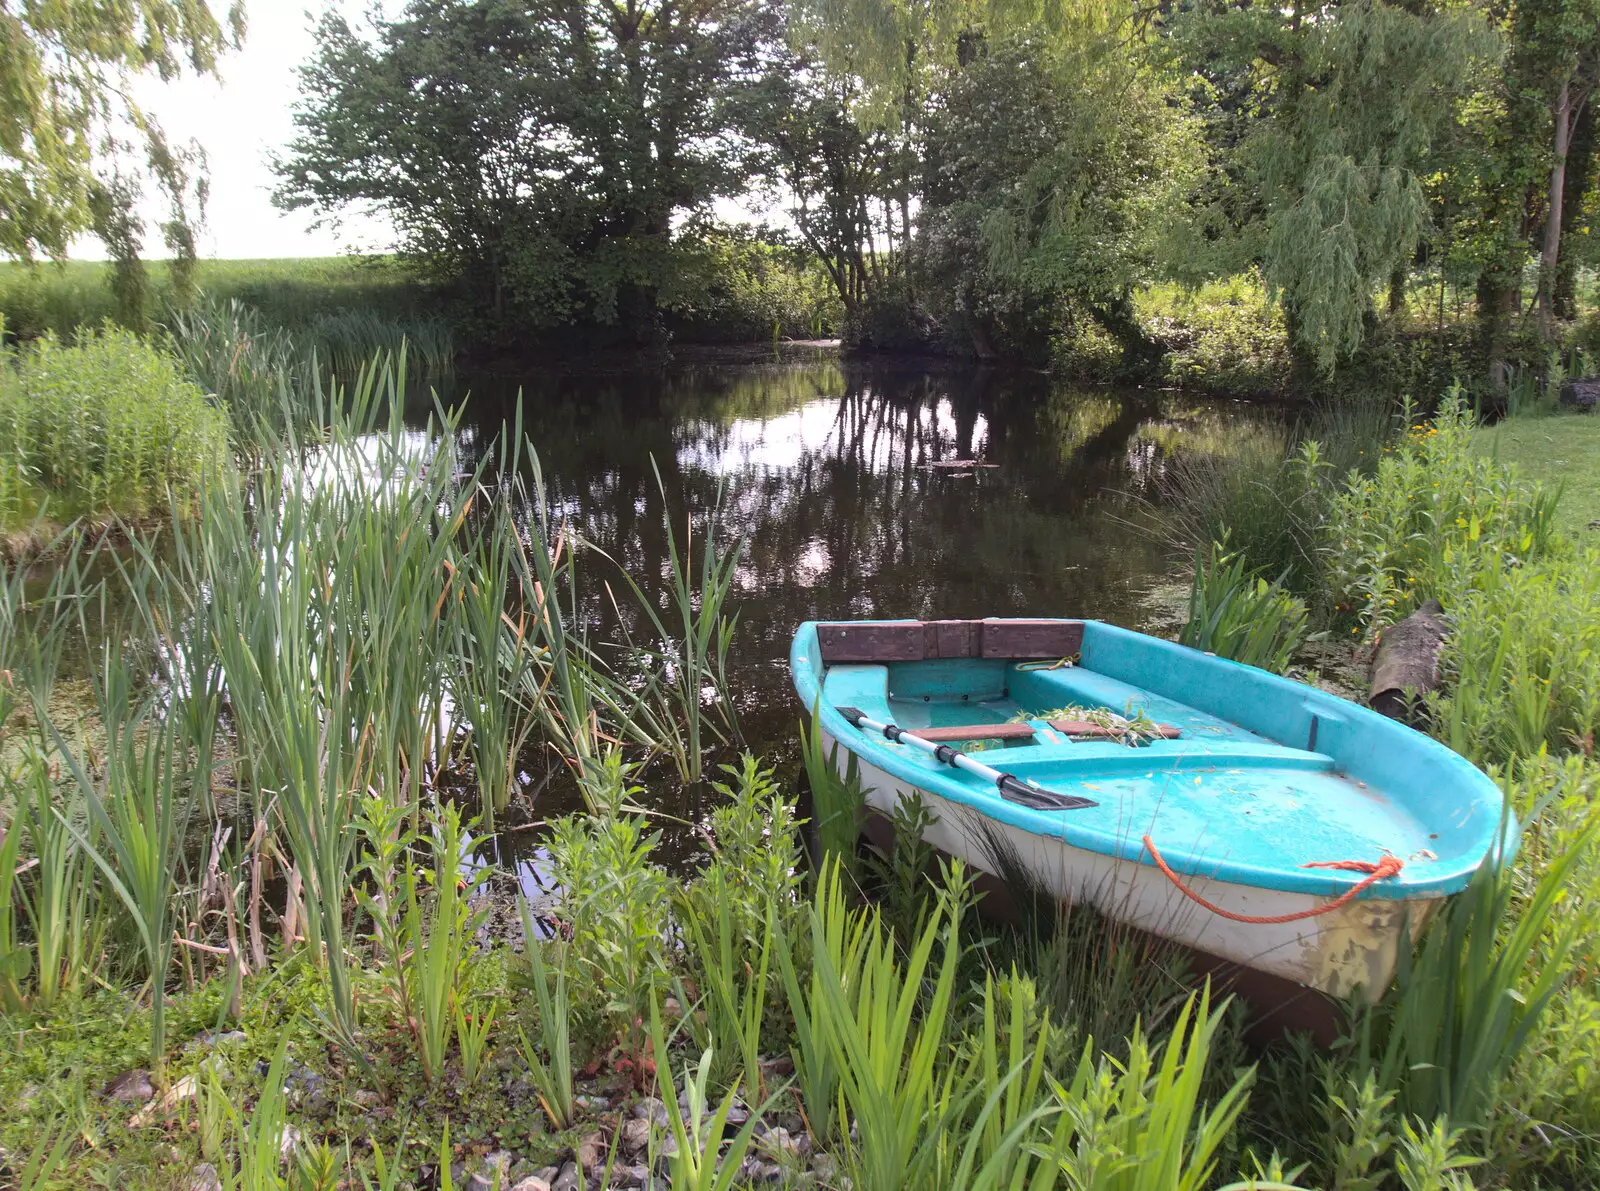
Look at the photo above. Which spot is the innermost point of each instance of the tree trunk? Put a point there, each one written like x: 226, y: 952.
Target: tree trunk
x: 1580, y: 158
x: 1551, y: 256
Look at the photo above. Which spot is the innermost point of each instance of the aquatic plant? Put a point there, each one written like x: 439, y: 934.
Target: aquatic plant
x: 1138, y: 1124
x: 1234, y: 613
x: 104, y: 428
x: 615, y: 901
x: 698, y: 1160
x: 436, y: 932
x: 137, y: 811
x: 735, y: 988
x: 551, y: 1070
x: 686, y: 659
x: 838, y: 799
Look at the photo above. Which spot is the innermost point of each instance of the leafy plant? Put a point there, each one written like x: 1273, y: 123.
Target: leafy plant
x: 615, y: 900
x: 698, y: 1161
x: 735, y: 989
x: 837, y: 797
x: 1138, y: 1124
x: 136, y: 815
x: 1462, y: 1008
x: 437, y: 929
x: 687, y: 665
x: 1234, y: 613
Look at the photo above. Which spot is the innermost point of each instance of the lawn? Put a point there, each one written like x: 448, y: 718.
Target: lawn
x: 1559, y: 449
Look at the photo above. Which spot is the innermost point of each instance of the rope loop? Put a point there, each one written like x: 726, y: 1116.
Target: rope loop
x: 1388, y: 866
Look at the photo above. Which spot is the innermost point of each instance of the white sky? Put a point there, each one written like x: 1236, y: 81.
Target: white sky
x: 240, y: 122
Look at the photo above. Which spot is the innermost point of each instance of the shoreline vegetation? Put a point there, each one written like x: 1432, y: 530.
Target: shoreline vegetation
x: 246, y: 887
x: 1224, y: 338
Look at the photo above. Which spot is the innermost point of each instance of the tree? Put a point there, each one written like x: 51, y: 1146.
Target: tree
x: 1345, y: 104
x: 840, y: 180
x: 1058, y: 176
x: 540, y: 153
x: 65, y: 74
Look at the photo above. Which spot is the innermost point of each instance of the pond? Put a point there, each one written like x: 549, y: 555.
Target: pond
x: 857, y: 490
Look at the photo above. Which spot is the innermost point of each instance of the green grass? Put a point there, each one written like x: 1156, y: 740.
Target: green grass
x: 288, y: 291
x: 1559, y: 450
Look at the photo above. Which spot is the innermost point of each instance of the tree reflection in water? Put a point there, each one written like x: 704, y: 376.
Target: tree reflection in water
x: 824, y: 470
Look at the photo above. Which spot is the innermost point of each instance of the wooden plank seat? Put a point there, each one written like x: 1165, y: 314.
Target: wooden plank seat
x: 949, y: 732
x: 860, y: 642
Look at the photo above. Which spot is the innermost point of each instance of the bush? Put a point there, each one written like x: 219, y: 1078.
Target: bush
x: 1224, y: 336
x: 1402, y: 535
x: 106, y: 428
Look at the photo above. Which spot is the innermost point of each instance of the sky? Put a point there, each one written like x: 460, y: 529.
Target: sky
x: 241, y: 121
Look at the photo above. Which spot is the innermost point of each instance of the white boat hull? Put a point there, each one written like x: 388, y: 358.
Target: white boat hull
x: 1350, y: 951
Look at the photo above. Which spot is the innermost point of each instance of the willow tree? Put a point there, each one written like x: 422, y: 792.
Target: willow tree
x: 71, y: 136
x: 1058, y: 177
x: 1346, y: 104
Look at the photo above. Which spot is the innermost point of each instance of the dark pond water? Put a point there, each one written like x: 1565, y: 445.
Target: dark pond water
x: 837, y: 479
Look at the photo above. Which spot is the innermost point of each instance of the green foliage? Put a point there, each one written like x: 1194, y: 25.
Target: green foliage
x: 1431, y: 503
x: 698, y: 1162
x: 1224, y: 336
x: 71, y: 75
x: 551, y: 1069
x: 614, y: 900
x: 1139, y: 1124
x: 1056, y: 171
x: 544, y: 177
x: 1234, y: 613
x: 437, y: 940
x: 687, y: 657
x: 106, y: 428
x: 838, y: 800
x: 1463, y: 1008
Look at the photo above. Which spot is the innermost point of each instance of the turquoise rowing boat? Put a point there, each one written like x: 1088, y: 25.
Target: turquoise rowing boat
x: 1247, y: 816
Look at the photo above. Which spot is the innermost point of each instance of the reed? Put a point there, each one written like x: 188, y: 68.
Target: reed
x: 137, y: 810
x: 701, y: 1159
x: 888, y: 1064
x: 345, y: 340
x: 1462, y: 1009
x: 437, y: 930
x: 551, y: 1070
x: 58, y: 893
x: 491, y: 655
x: 688, y: 656
x: 1148, y: 1108
x: 735, y: 988
x: 838, y: 799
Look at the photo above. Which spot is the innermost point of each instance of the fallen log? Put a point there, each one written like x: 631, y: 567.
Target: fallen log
x: 1405, y: 664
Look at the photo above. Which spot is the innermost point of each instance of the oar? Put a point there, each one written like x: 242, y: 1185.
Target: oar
x: 1012, y: 788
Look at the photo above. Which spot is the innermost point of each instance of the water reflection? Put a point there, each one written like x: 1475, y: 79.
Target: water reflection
x: 836, y: 478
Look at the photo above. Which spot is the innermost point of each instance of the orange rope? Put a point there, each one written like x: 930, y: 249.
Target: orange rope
x: 1389, y: 866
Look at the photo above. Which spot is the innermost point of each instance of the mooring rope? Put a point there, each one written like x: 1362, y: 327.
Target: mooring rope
x: 1376, y: 871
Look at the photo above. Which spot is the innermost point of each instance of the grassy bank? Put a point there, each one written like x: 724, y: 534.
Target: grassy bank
x: 251, y: 935
x: 1561, y: 451
x: 290, y: 291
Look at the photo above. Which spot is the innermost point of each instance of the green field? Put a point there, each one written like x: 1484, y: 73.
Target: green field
x: 289, y: 291
x: 1559, y: 449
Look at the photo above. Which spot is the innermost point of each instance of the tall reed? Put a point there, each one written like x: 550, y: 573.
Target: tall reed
x: 688, y: 656
x: 138, y: 811
x: 1462, y: 1009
